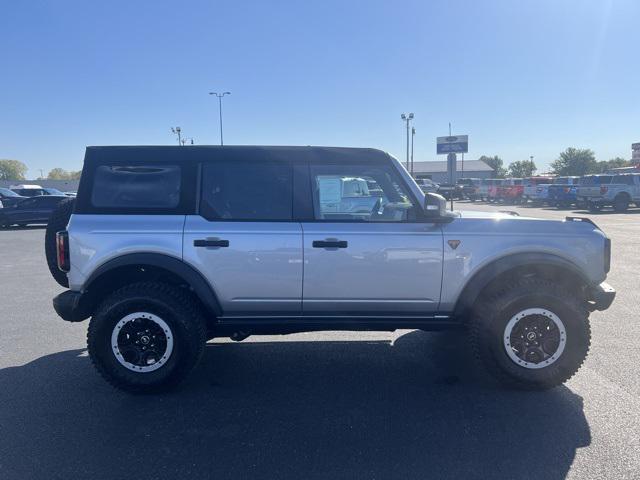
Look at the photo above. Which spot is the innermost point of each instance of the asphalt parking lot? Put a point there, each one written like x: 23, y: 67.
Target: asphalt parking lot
x: 406, y: 405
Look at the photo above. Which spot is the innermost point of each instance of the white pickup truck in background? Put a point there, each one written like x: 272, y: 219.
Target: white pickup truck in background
x: 619, y: 191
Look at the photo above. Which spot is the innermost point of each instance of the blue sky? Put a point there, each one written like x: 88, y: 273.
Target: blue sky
x: 520, y: 77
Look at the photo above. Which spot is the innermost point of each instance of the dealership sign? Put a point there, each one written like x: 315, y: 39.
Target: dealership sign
x: 453, y: 144
x: 635, y: 152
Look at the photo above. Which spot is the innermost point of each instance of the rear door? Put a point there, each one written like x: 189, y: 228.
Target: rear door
x: 244, y: 239
x: 373, y: 255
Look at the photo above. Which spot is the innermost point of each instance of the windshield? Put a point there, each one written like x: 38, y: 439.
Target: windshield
x: 8, y: 193
x: 53, y: 191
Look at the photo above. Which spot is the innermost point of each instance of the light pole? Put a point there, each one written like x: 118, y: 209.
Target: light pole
x: 220, y: 95
x: 413, y: 134
x: 407, y: 119
x: 177, y: 131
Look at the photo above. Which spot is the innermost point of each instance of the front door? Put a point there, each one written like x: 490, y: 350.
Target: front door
x: 244, y: 240
x: 367, y: 252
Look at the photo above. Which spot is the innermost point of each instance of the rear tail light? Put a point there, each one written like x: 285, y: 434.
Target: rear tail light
x: 62, y: 250
x: 567, y: 189
x: 603, y: 190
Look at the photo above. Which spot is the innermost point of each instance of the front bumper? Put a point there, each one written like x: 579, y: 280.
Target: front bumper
x: 601, y: 296
x: 72, y: 306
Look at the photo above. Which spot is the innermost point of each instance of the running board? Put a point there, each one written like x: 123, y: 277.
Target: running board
x: 289, y: 324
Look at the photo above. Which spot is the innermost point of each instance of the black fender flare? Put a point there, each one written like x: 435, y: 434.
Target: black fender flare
x: 489, y: 272
x: 201, y: 287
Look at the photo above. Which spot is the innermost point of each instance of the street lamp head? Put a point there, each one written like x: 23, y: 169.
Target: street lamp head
x: 410, y: 116
x: 213, y: 93
x: 178, y: 129
x: 226, y: 93
x: 403, y: 116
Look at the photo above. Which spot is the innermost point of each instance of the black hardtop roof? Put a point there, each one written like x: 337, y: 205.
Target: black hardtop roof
x: 163, y: 153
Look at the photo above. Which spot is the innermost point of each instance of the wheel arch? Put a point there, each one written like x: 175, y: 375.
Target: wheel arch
x: 134, y: 267
x: 538, y: 265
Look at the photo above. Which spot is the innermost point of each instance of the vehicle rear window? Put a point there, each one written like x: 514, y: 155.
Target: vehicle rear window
x: 136, y: 187
x: 248, y: 190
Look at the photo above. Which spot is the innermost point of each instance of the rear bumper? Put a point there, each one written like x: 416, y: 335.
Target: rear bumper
x: 72, y: 306
x: 601, y: 296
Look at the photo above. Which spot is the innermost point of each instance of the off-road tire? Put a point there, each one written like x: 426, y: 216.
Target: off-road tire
x: 491, y: 315
x: 621, y: 203
x: 176, y: 307
x: 57, y: 221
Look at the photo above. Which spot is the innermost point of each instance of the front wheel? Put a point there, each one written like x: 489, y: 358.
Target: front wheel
x: 532, y: 335
x: 621, y: 203
x: 146, y: 337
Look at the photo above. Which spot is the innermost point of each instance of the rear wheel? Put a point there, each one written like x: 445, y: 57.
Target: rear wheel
x: 532, y: 335
x: 146, y: 337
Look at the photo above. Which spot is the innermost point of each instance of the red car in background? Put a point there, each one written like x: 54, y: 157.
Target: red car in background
x: 511, y: 190
x: 494, y: 189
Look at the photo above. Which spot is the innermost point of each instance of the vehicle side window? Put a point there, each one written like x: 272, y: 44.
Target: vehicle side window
x: 137, y: 187
x: 360, y: 193
x: 248, y: 190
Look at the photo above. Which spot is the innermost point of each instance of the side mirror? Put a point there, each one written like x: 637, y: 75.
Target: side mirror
x: 434, y: 205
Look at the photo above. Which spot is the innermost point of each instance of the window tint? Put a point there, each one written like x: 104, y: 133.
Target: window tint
x: 247, y: 190
x: 624, y: 179
x: 138, y: 187
x: 362, y: 193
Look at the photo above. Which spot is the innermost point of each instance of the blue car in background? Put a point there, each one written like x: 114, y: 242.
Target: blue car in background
x: 562, y: 193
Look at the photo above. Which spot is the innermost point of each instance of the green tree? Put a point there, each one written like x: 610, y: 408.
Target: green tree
x: 62, y: 174
x: 496, y: 163
x: 522, y: 168
x: 12, y: 170
x: 618, y: 162
x: 575, y: 161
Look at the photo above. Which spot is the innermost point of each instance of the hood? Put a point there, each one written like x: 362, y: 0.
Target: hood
x: 491, y: 215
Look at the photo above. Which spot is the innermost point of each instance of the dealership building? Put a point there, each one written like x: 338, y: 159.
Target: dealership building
x: 437, y: 171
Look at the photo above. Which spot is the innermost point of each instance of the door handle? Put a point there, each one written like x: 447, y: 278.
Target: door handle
x: 211, y: 242
x: 329, y: 243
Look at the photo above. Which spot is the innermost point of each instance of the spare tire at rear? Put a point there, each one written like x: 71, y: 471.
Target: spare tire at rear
x: 57, y: 222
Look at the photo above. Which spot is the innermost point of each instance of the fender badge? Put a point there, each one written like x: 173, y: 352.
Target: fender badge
x: 453, y: 243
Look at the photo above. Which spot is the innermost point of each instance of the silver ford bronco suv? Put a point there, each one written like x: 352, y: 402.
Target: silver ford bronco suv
x: 165, y: 248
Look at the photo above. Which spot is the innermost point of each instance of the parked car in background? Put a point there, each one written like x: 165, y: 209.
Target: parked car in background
x: 511, y: 190
x: 619, y: 191
x: 427, y: 185
x: 469, y: 186
x: 450, y: 191
x: 591, y: 187
x: 494, y: 189
x: 530, y: 190
x: 9, y: 198
x: 482, y: 191
x: 562, y: 193
x: 30, y: 210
